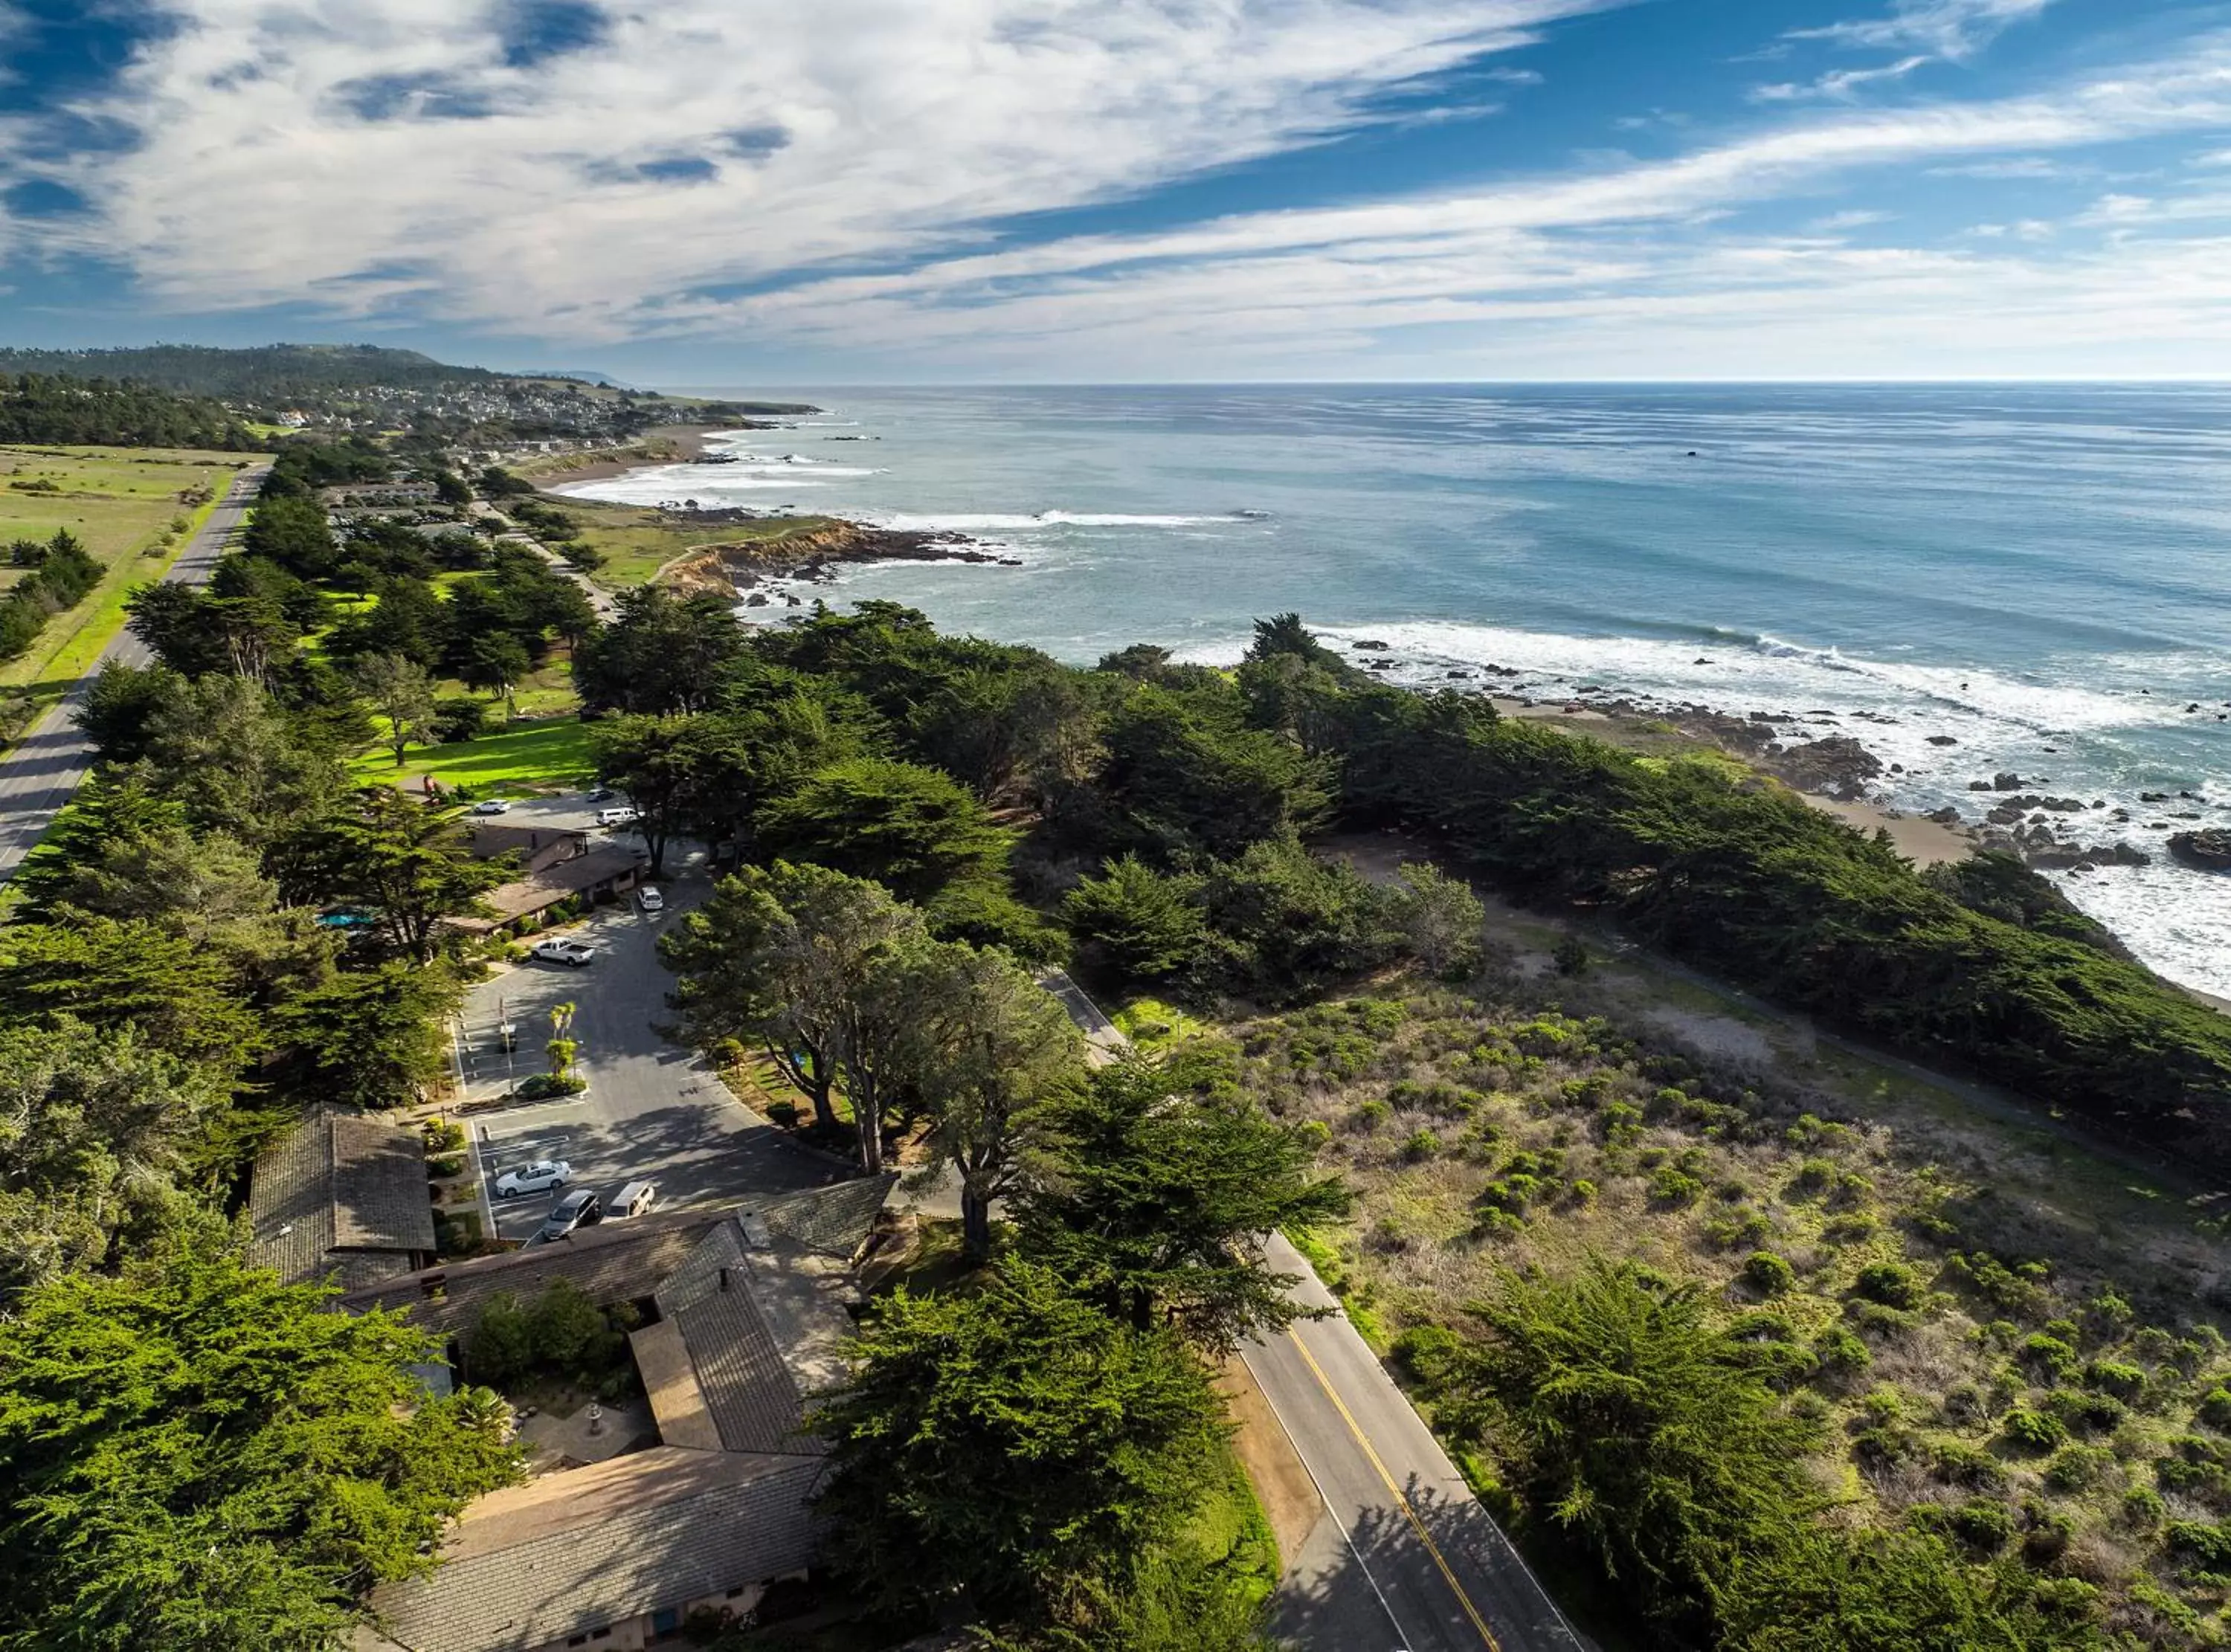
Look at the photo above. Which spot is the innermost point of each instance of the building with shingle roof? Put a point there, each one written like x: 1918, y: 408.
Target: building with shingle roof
x: 341, y: 1197
x: 747, y: 1316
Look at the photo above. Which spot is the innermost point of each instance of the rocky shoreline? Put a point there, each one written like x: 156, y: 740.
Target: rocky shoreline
x: 1810, y: 752
x: 757, y: 571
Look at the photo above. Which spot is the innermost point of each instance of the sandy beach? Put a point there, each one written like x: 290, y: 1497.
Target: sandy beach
x: 662, y: 444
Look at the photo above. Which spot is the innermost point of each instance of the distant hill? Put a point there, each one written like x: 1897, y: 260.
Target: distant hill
x: 580, y: 375
x: 267, y: 373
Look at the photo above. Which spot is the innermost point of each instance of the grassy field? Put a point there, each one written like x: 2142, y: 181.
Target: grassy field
x: 125, y: 504
x: 636, y: 541
x: 536, y: 757
x: 1991, y: 1327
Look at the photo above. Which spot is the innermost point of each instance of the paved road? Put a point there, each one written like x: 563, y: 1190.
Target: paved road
x: 39, y: 776
x: 1403, y: 1555
x: 652, y: 1110
x: 1403, y: 1559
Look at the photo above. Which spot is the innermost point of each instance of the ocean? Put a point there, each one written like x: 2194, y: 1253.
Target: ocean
x: 2039, y: 573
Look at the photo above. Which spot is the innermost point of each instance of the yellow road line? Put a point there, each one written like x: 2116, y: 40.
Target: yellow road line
x: 1395, y: 1491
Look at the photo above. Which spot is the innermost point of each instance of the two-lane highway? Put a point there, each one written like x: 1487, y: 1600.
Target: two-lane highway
x: 1404, y: 1557
x: 40, y: 775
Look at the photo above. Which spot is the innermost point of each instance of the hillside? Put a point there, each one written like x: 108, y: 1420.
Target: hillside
x: 266, y: 372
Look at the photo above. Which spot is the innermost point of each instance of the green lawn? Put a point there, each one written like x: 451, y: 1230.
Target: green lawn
x: 636, y: 541
x: 121, y: 502
x: 554, y: 753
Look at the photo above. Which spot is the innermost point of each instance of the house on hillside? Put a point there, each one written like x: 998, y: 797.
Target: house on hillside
x: 744, y: 1313
x: 556, y: 865
x: 343, y: 1197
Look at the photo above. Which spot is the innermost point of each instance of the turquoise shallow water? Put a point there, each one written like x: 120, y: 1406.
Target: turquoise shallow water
x: 2042, y: 573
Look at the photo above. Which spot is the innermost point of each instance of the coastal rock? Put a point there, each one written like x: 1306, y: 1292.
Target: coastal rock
x: 1942, y: 739
x: 1458, y: 676
x: 721, y: 569
x: 1947, y: 815
x: 1979, y: 785
x: 1367, y: 645
x: 1837, y: 766
x: 2208, y: 851
x: 2004, y: 782
x: 2153, y: 797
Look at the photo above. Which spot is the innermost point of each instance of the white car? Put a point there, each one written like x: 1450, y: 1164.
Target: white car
x: 493, y: 806
x: 651, y: 900
x: 563, y: 951
x: 635, y: 1199
x: 623, y: 816
x: 539, y: 1178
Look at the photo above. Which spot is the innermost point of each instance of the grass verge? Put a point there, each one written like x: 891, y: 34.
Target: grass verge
x: 553, y: 753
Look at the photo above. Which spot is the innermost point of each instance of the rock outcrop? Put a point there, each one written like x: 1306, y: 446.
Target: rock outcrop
x: 2210, y: 850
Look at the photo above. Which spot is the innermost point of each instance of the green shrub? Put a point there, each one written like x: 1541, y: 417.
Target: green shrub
x: 1893, y: 1284
x: 2215, y: 1409
x: 1768, y: 1274
x: 1739, y: 1228
x: 1813, y: 1176
x: 2142, y: 1508
x: 2201, y: 1540
x: 1956, y: 1462
x: 2088, y: 1413
x: 1430, y: 1354
x: 2074, y: 1467
x: 1422, y: 1146
x: 1840, y: 1354
x: 2049, y: 1356
x: 1372, y: 1115
x: 1675, y: 1189
x: 1983, y: 1524
x: 538, y: 1085
x: 2125, y: 1382
x: 2027, y: 1430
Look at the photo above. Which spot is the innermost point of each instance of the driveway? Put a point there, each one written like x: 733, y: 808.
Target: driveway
x: 653, y: 1109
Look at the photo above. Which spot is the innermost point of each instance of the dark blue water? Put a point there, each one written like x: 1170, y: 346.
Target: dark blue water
x: 2042, y: 572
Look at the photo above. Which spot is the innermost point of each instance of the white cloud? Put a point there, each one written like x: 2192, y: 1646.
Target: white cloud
x: 2022, y: 166
x: 1854, y: 219
x: 1951, y: 29
x: 863, y: 160
x: 1573, y: 259
x: 296, y: 148
x: 1841, y: 85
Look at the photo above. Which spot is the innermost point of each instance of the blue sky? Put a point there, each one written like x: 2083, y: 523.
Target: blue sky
x: 731, y: 191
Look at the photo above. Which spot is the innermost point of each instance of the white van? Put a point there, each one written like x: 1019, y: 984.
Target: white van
x: 623, y: 816
x: 634, y: 1199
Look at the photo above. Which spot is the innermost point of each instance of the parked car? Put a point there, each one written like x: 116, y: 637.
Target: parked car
x: 562, y: 952
x: 578, y: 1209
x: 492, y: 806
x: 636, y: 1198
x: 541, y: 1175
x: 601, y: 793
x: 651, y: 900
x: 620, y: 815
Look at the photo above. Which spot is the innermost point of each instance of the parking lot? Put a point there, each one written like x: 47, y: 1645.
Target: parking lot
x: 651, y: 1111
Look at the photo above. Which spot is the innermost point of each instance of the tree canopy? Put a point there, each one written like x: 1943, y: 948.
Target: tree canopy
x: 1006, y: 1448
x: 202, y: 1459
x: 1150, y: 1192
